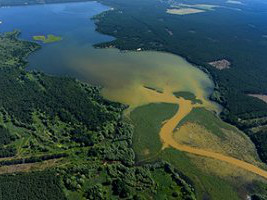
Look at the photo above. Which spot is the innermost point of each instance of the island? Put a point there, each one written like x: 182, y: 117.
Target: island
x: 47, y: 39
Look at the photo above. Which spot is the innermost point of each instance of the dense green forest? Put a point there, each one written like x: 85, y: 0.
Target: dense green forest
x: 79, y: 143
x: 35, y: 186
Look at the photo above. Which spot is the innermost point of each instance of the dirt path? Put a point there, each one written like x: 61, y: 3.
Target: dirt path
x: 166, y: 134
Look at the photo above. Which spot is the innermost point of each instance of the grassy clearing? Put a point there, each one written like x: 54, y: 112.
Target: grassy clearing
x: 30, y: 167
x: 233, y: 143
x: 47, y: 39
x: 206, y: 119
x: 147, y: 120
x: 206, y: 184
x: 202, y: 129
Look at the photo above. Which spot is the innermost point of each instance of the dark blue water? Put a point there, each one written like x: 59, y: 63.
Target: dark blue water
x: 65, y: 20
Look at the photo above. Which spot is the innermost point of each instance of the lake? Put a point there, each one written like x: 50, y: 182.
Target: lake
x: 126, y: 77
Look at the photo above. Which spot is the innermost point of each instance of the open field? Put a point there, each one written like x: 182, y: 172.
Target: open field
x: 203, y: 129
x: 231, y: 143
x: 221, y: 64
x: 29, y: 167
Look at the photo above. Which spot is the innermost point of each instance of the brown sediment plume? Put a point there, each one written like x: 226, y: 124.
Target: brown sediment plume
x: 166, y: 134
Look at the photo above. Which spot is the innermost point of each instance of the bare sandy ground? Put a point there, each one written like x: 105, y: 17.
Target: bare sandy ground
x: 260, y: 96
x: 221, y: 64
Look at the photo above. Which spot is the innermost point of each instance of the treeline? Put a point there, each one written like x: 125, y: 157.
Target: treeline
x: 6, y: 138
x: 23, y: 93
x: 13, y: 51
x: 32, y: 159
x: 7, y: 152
x: 259, y: 140
x: 63, y: 97
x: 31, y: 186
x: 115, y: 180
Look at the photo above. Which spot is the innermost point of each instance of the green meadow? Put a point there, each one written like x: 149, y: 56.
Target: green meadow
x: 147, y: 120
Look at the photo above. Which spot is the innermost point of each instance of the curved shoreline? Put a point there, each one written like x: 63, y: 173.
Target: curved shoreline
x: 166, y: 135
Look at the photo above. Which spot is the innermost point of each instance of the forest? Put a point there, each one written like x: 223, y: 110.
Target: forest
x: 62, y: 140
x: 35, y: 186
